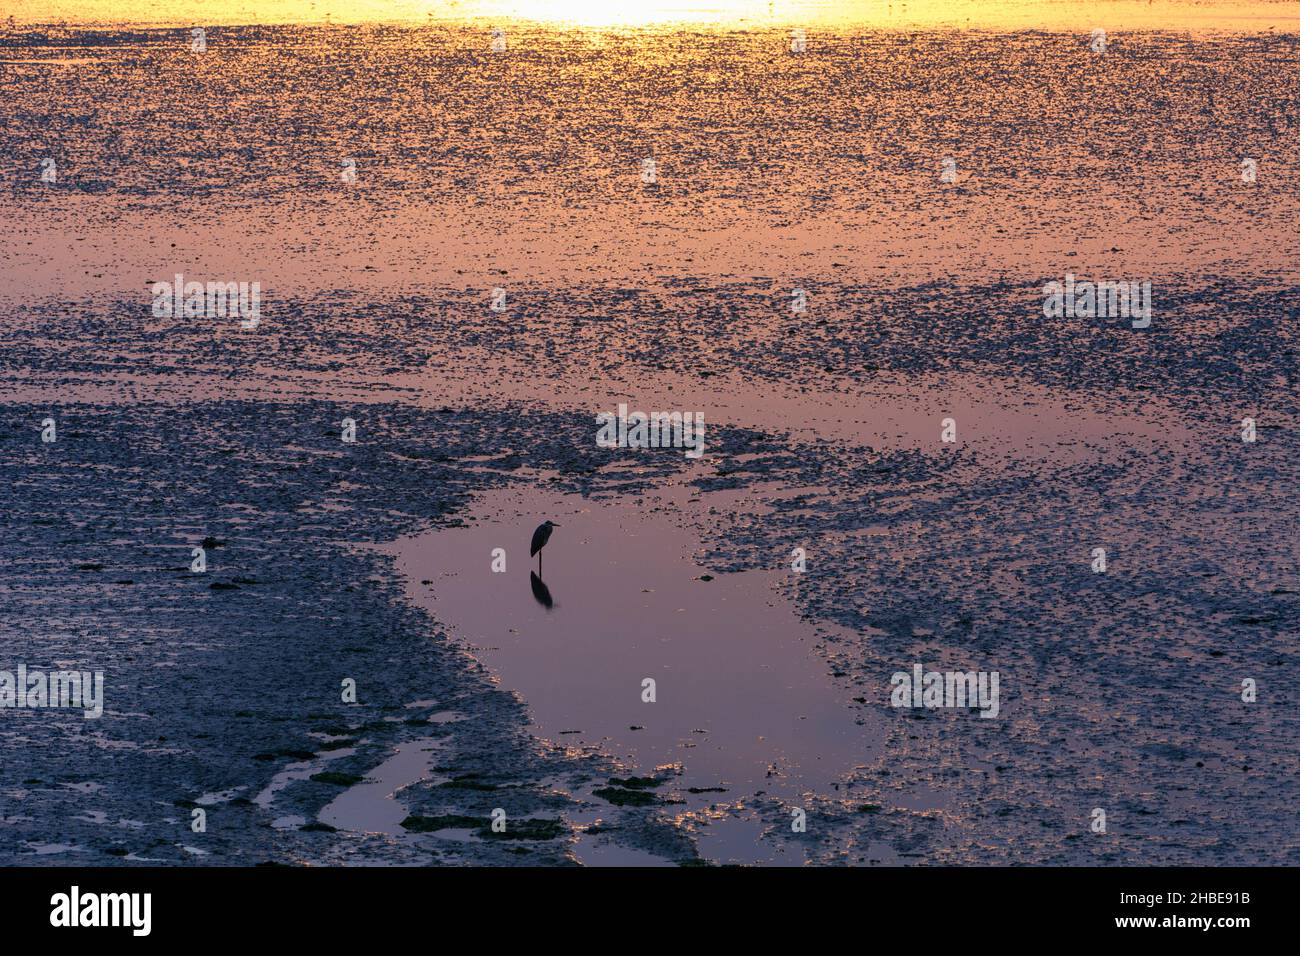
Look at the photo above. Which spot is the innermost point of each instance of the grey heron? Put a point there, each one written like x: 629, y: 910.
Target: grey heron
x: 540, y: 537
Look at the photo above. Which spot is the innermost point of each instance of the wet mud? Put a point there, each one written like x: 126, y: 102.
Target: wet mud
x: 370, y: 561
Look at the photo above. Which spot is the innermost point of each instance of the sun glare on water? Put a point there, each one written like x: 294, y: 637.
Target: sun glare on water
x: 612, y: 13
x: 1072, y: 15
x: 1068, y: 14
x: 580, y: 13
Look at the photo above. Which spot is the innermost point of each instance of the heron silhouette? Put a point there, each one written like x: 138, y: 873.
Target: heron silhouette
x: 540, y: 537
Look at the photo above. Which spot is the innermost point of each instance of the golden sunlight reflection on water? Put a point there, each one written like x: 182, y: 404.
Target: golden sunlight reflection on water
x: 1249, y: 15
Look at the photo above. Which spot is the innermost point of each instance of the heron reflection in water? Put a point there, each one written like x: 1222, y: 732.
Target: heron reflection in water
x: 540, y: 591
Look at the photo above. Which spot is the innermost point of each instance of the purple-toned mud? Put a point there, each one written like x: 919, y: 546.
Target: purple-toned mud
x: 371, y: 561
